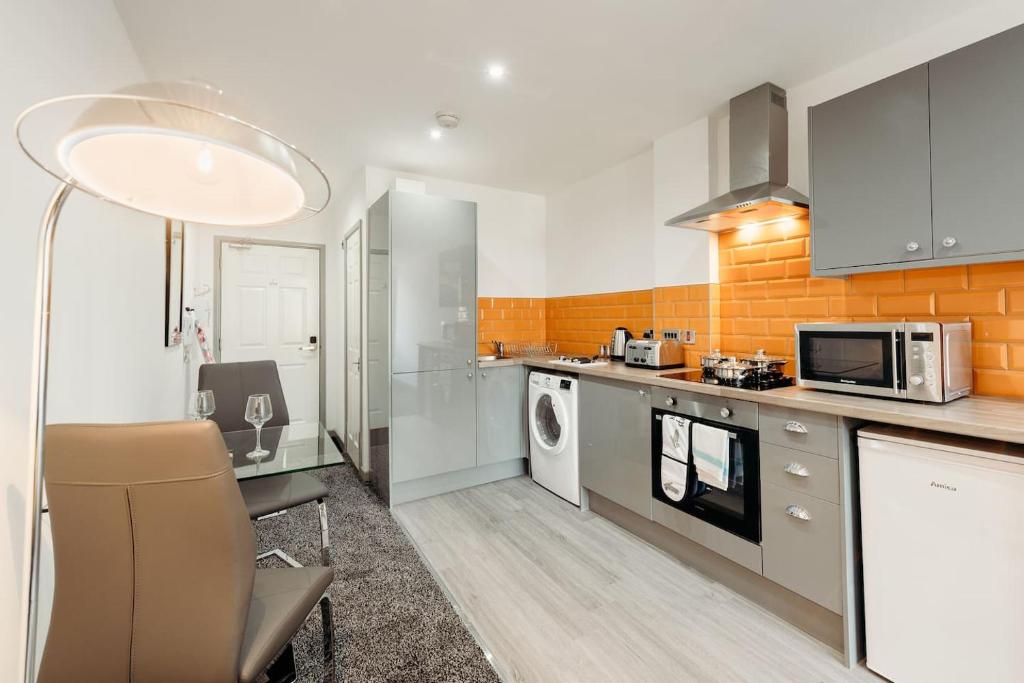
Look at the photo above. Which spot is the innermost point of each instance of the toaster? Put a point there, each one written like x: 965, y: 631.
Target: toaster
x: 657, y: 354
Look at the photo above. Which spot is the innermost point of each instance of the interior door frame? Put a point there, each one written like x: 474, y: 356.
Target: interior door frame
x: 356, y: 228
x: 218, y: 247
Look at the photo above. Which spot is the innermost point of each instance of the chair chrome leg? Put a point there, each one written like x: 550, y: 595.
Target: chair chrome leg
x: 325, y: 537
x: 283, y: 668
x: 281, y: 555
x: 328, y: 627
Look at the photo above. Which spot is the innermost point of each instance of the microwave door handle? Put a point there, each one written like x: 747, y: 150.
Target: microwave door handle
x: 899, y: 361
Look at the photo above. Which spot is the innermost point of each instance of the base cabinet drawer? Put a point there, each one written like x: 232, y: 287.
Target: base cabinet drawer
x: 805, y: 431
x: 800, y: 544
x: 801, y: 471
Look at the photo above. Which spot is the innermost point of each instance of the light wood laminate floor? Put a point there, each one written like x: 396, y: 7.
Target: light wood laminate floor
x: 555, y: 594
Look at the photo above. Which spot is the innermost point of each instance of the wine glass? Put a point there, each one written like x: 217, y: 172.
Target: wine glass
x: 202, y: 405
x: 258, y: 412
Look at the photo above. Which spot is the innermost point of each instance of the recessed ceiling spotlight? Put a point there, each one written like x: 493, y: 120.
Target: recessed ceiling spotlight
x: 435, y: 133
x: 496, y: 72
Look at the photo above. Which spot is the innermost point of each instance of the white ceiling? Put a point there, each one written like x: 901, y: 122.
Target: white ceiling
x: 591, y: 82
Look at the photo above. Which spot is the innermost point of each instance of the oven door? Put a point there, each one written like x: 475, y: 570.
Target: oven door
x: 854, y: 358
x: 737, y: 509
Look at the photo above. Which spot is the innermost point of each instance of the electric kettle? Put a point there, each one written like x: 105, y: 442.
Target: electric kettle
x: 620, y: 335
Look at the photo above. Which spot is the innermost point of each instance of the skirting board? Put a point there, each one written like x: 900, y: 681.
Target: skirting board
x: 405, y: 491
x: 809, y: 617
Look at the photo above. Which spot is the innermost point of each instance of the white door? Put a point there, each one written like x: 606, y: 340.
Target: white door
x: 270, y: 310
x: 353, y: 343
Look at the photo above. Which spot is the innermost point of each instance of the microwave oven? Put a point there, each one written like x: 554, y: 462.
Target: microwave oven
x: 912, y: 361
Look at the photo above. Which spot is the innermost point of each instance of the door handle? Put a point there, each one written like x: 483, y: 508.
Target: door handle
x: 308, y: 347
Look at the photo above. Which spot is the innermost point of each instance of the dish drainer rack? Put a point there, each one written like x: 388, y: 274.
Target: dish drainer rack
x: 531, y: 349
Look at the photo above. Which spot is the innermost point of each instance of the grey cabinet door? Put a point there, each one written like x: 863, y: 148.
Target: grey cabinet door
x: 433, y: 423
x: 500, y: 412
x: 615, y: 442
x: 433, y: 283
x: 977, y: 117
x: 870, y: 175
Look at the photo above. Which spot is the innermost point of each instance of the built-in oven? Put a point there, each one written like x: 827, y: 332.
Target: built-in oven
x: 732, y: 504
x: 917, y: 361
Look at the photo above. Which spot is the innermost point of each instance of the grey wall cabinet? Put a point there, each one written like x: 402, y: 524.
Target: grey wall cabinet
x: 870, y: 168
x: 615, y: 442
x: 977, y: 130
x: 500, y: 411
x: 922, y: 168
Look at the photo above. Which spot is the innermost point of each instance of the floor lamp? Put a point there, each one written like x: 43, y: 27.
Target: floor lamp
x: 167, y: 150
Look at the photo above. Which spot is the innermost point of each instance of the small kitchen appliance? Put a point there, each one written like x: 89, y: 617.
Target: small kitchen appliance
x: 657, y: 354
x: 912, y: 361
x: 620, y: 335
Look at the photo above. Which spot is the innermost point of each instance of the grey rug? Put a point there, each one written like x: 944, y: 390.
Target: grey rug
x: 392, y: 622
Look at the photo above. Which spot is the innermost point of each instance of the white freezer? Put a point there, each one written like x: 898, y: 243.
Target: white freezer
x: 943, y: 545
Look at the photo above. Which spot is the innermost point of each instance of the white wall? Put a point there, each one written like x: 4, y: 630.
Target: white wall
x: 108, y: 311
x: 599, y: 231
x: 966, y: 28
x: 607, y: 232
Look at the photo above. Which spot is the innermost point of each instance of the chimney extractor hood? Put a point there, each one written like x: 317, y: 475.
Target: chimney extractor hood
x: 758, y: 167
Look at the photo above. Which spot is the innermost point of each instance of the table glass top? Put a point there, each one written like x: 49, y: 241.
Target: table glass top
x: 293, y: 448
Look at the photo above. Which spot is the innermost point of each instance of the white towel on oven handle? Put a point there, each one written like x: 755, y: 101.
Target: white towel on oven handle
x: 673, y: 478
x: 711, y: 455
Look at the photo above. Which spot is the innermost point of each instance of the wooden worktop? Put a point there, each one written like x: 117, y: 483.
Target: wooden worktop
x: 978, y: 416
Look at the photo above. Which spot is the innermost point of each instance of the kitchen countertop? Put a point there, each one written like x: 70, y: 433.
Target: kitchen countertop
x: 978, y: 416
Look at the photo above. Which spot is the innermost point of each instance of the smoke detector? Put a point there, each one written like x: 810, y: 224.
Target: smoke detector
x: 447, y: 120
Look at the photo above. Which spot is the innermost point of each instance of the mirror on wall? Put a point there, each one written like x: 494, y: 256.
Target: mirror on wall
x: 174, y: 245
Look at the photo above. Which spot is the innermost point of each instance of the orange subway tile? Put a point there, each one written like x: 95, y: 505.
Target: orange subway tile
x: 1015, y: 301
x: 996, y: 274
x: 734, y: 309
x: 999, y: 383
x: 773, y: 346
x: 800, y: 267
x: 750, y: 254
x: 876, y: 283
x: 992, y: 356
x: 826, y: 286
x: 933, y: 279
x: 998, y: 329
x: 751, y: 326
x: 787, y: 249
x: 768, y: 308
x: 851, y: 305
x: 971, y: 303
x: 811, y: 306
x: 1016, y: 356
x: 748, y: 290
x: 906, y: 304
x: 786, y: 288
x: 733, y: 273
x: 771, y: 270
x: 783, y: 327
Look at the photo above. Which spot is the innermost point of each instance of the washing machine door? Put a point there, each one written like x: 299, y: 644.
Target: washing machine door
x: 549, y: 423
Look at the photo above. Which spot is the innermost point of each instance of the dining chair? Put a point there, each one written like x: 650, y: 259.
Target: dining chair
x: 154, y: 571
x: 232, y: 384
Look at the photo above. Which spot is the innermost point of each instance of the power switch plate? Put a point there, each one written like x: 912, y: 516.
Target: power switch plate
x: 689, y: 336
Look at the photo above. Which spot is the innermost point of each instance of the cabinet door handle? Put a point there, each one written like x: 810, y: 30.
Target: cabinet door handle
x: 949, y: 242
x: 469, y: 375
x: 798, y: 512
x: 796, y: 469
x: 483, y: 374
x: 913, y: 246
x: 795, y: 427
x: 642, y: 392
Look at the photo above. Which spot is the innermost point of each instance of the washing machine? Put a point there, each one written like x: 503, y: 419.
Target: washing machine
x: 554, y: 434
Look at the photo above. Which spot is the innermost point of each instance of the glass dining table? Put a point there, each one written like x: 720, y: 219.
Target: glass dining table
x: 291, y: 448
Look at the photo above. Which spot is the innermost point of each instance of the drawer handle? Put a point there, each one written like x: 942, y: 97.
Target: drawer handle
x: 795, y: 427
x: 796, y: 469
x: 798, y: 512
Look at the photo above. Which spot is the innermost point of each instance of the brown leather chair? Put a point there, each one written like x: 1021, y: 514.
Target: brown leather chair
x: 154, y: 571
x: 232, y: 384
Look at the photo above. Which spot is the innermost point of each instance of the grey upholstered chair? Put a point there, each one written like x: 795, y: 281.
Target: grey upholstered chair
x: 232, y: 384
x: 153, y: 553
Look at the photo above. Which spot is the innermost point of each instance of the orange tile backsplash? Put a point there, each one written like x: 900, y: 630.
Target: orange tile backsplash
x: 765, y: 288
x: 580, y: 324
x: 511, y: 320
x: 756, y: 291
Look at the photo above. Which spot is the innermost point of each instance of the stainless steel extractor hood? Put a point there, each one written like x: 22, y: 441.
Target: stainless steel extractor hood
x: 758, y: 167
